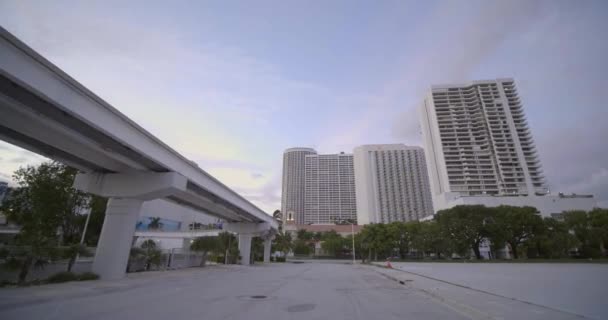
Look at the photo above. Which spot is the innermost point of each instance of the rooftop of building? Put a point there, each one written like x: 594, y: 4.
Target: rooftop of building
x: 470, y: 83
x: 330, y: 154
x: 386, y: 147
x: 299, y: 149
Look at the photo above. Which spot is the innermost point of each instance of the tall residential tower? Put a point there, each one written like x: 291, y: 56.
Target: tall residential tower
x: 292, y: 197
x: 479, y: 148
x: 329, y: 195
x: 392, y: 184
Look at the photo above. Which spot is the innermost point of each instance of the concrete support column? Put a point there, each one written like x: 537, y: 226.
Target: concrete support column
x: 116, y: 237
x: 267, y: 244
x: 245, y: 248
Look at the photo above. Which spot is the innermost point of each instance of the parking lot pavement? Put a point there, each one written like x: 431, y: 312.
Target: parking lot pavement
x: 276, y: 291
x: 575, y: 288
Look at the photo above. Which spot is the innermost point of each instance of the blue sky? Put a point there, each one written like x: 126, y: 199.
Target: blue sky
x: 232, y: 84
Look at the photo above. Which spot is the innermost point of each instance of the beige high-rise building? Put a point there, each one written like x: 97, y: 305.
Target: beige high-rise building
x: 329, y: 194
x: 391, y: 183
x: 292, y: 197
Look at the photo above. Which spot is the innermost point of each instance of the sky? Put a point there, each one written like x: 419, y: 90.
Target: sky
x: 232, y: 84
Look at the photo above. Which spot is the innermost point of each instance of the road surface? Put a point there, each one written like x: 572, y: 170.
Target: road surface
x: 276, y: 291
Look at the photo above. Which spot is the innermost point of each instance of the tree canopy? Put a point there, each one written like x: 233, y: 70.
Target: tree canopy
x: 50, y: 213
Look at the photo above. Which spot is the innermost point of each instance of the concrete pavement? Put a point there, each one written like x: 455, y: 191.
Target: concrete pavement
x: 277, y: 291
x: 308, y: 290
x: 577, y: 288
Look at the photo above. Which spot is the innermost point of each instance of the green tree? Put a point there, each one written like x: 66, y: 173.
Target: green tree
x: 599, y: 227
x: 400, y: 235
x: 257, y: 249
x: 333, y: 243
x: 283, y: 242
x: 432, y: 239
x: 43, y: 203
x: 277, y: 215
x: 228, y: 245
x: 359, y: 249
x: 495, y: 231
x: 590, y: 240
x: 305, y: 243
x: 464, y: 225
x: 301, y: 247
x: 555, y: 240
x: 377, y: 240
x: 317, y: 236
x: 516, y: 225
x: 205, y: 245
x: 149, y: 253
x: 304, y: 235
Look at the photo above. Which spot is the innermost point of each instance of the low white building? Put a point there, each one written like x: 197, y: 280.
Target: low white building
x: 548, y: 205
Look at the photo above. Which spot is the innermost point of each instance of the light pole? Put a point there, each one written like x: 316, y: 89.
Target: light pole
x: 84, y: 232
x: 352, y: 232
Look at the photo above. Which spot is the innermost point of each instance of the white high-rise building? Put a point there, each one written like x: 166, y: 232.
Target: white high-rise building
x: 292, y: 197
x: 480, y: 150
x: 329, y: 194
x: 392, y: 183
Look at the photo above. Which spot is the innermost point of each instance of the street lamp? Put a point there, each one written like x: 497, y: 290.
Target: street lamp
x: 352, y: 232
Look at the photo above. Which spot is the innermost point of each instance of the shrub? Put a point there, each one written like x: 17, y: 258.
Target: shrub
x: 271, y: 258
x: 7, y: 283
x: 280, y: 259
x: 64, y: 276
x: 88, y: 276
x: 302, y: 248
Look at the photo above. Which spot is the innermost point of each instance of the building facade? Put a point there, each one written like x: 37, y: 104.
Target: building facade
x: 479, y: 148
x: 292, y: 197
x: 329, y: 189
x: 392, y: 183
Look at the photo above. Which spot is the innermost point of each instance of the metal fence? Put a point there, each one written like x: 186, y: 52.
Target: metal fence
x: 171, y: 259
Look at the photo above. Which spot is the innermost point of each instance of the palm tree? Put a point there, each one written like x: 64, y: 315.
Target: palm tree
x: 279, y: 217
x: 148, y: 253
x: 283, y: 242
x: 155, y: 224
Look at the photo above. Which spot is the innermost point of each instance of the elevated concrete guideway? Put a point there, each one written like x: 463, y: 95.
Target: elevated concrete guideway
x: 44, y: 110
